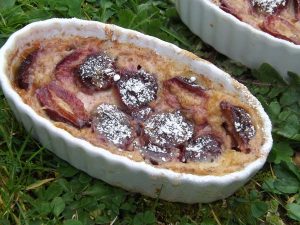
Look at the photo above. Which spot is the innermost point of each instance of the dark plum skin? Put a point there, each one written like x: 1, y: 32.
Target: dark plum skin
x: 141, y: 114
x: 297, y: 9
x: 97, y: 71
x: 271, y: 23
x: 168, y: 129
x: 23, y: 78
x: 137, y: 89
x: 267, y: 9
x: 78, y: 117
x: 64, y: 70
x: 187, y: 84
x: 113, y: 125
x: 238, y: 124
x: 158, y: 155
x: 204, y: 148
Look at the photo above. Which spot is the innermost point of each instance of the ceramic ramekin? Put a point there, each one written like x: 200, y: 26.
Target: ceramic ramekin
x: 114, y: 169
x: 236, y: 39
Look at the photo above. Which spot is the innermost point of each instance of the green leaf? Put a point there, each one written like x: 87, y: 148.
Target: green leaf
x: 84, y: 178
x: 268, y: 186
x: 58, y: 206
x: 274, y: 108
x: 72, y: 222
x: 147, y: 217
x: 281, y: 152
x: 294, y: 169
x: 275, y: 91
x: 294, y: 79
x: 289, y: 97
x: 293, y: 211
x: 44, y: 208
x: 290, y: 127
x: 259, y: 208
x: 54, y: 190
x: 125, y: 17
x: 74, y: 7
x: 267, y: 73
x: 286, y: 181
x: 287, y: 186
x: 68, y: 171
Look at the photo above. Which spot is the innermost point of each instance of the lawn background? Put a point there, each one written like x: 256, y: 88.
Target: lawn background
x: 36, y: 187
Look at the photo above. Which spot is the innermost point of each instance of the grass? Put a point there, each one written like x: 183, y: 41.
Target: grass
x: 36, y: 187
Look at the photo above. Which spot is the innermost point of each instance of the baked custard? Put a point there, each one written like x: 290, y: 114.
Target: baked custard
x: 135, y: 103
x: 279, y: 18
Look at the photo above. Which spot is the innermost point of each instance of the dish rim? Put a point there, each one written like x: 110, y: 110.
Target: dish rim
x: 21, y: 106
x: 233, y: 19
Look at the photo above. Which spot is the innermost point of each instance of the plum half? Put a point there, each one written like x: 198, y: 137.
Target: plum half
x: 97, y: 71
x: 113, y: 125
x: 238, y: 124
x: 204, y: 148
x: 168, y: 129
x: 137, y: 88
x: 62, y: 105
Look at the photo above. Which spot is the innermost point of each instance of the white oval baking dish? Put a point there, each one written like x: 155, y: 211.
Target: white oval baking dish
x: 114, y: 169
x: 236, y: 39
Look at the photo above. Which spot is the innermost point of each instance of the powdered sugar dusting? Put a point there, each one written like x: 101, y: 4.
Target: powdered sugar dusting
x: 97, y: 70
x: 138, y: 89
x: 268, y: 6
x: 156, y: 154
x: 168, y: 129
x: 112, y: 123
x: 203, y: 148
x: 141, y: 114
x: 193, y: 79
x: 243, y: 124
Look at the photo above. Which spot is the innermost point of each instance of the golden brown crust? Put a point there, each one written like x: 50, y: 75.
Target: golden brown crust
x: 129, y: 56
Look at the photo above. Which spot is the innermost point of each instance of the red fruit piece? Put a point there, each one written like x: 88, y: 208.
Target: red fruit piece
x: 65, y: 69
x: 238, y: 123
x: 141, y: 114
x: 186, y: 83
x: 158, y: 155
x: 113, y: 125
x: 137, y: 88
x: 23, y: 75
x: 297, y: 9
x: 62, y: 105
x: 168, y: 129
x: 97, y: 71
x: 237, y: 8
x: 281, y: 28
x: 269, y: 6
x: 204, y: 148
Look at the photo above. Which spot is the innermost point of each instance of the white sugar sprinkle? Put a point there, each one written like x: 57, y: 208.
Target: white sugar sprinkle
x: 97, y: 68
x: 268, y: 5
x: 117, y: 77
x: 136, y: 92
x: 193, y: 79
x: 204, y: 148
x: 112, y: 123
x: 243, y: 124
x: 168, y: 129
